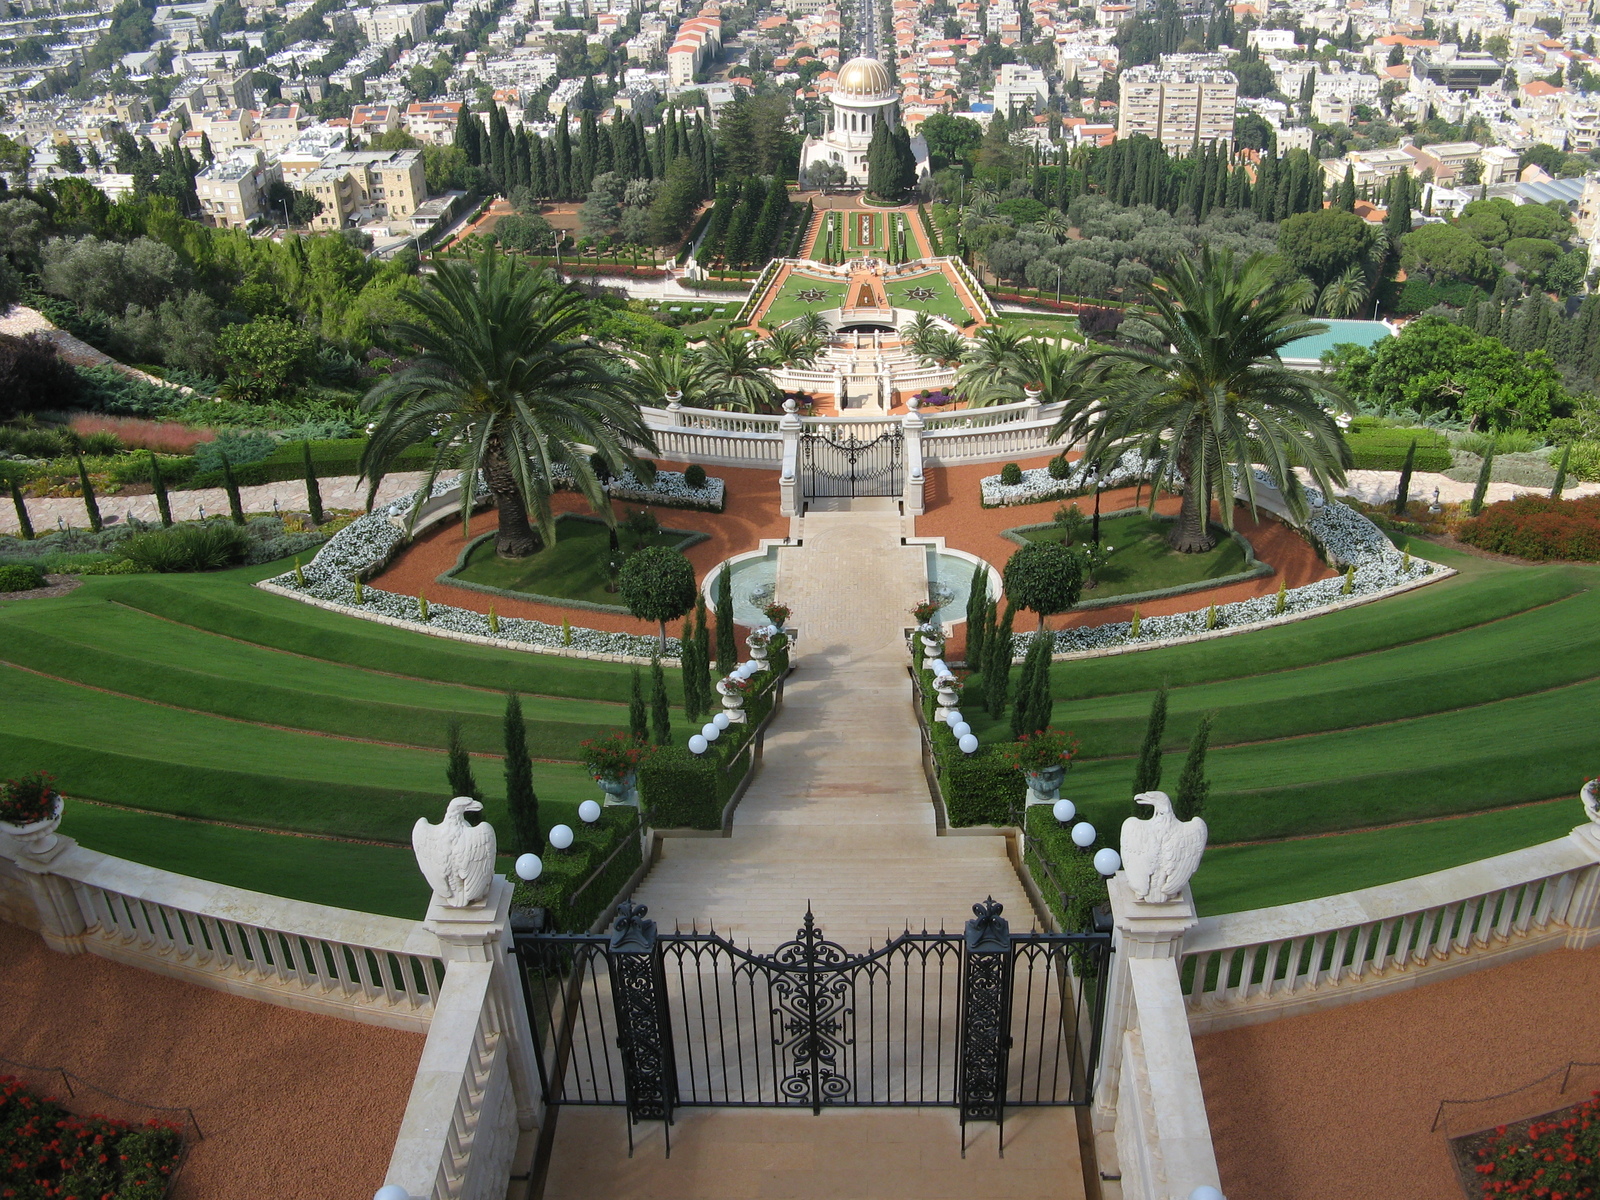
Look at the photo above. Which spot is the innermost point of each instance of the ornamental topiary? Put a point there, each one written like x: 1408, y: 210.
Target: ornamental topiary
x: 657, y: 585
x: 1044, y: 577
x: 1011, y: 474
x: 695, y: 476
x: 1058, y: 467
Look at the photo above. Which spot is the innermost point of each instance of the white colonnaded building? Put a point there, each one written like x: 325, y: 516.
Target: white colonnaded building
x: 864, y: 96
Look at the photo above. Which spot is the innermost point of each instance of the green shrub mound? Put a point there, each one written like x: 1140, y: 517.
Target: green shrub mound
x: 20, y: 577
x: 580, y: 882
x: 1538, y: 528
x: 203, y: 546
x: 49, y: 1151
x: 1064, y: 872
x: 1376, y: 447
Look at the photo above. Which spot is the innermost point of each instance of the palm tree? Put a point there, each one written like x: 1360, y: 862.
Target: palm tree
x: 656, y: 376
x: 918, y: 334
x: 1344, y: 295
x: 788, y: 347
x: 505, y: 380
x: 946, y: 347
x: 1215, y: 397
x: 812, y: 325
x: 1056, y: 224
x: 735, y: 374
x: 992, y: 373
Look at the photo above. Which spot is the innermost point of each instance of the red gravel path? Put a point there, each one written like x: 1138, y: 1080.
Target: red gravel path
x: 751, y: 514
x: 955, y: 514
x: 1339, y: 1103
x: 293, y: 1105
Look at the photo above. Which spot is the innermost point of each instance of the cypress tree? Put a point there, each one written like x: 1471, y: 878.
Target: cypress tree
x: 521, y: 800
x: 1193, y: 789
x: 25, y: 525
x: 997, y: 667
x: 638, y: 722
x: 1555, y: 490
x: 235, y: 504
x: 727, y: 647
x: 660, y: 707
x: 163, y: 503
x: 563, y: 151
x: 313, y: 489
x: 702, y: 664
x: 1403, y: 494
x: 1147, y: 775
x: 90, y: 505
x: 458, y: 766
x: 1034, y: 702
x: 977, y: 614
x: 1481, y: 489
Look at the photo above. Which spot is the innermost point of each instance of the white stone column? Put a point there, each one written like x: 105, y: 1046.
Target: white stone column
x: 912, y: 423
x: 675, y: 407
x: 482, y: 933
x: 790, y: 427
x: 1583, y: 912
x: 58, y: 917
x: 1030, y: 395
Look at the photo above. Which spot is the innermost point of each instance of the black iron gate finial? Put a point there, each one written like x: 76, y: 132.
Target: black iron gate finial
x: 985, y: 1018
x: 639, y: 995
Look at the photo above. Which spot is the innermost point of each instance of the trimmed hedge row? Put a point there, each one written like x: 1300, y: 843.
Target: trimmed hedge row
x: 1383, y: 447
x: 332, y: 458
x: 1065, y: 874
x: 1539, y: 528
x: 580, y: 882
x: 979, y: 788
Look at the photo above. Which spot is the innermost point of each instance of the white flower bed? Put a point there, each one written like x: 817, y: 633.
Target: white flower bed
x: 368, y: 542
x: 1349, y: 539
x: 670, y: 489
x: 1037, y: 485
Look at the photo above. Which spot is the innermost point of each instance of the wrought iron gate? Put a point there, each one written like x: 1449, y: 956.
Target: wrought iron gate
x: 982, y: 1020
x: 837, y: 464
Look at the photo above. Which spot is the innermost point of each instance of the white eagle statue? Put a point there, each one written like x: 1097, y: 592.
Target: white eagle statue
x: 1590, y: 795
x: 1160, y: 855
x: 456, y: 858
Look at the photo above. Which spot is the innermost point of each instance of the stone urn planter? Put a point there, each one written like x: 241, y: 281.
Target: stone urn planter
x: 620, y: 789
x: 38, y: 838
x: 949, y: 696
x: 932, y: 641
x: 1044, y: 787
x: 757, y: 642
x: 732, y: 701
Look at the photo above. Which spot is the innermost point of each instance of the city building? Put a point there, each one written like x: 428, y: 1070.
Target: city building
x: 232, y: 190
x: 220, y: 89
x: 1021, y: 87
x: 698, y: 42
x: 1179, y: 108
x: 433, y: 120
x: 1456, y: 71
x: 1445, y: 159
x: 374, y: 120
x: 356, y: 185
x: 388, y: 22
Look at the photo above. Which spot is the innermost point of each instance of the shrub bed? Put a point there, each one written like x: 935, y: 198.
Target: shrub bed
x: 49, y: 1151
x: 20, y: 577
x: 1065, y: 874
x: 1537, y: 527
x: 1556, y: 1157
x: 332, y: 457
x: 1376, y: 447
x: 982, y: 788
x: 579, y: 883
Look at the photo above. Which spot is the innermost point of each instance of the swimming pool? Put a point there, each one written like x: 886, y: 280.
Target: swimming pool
x: 1362, y: 333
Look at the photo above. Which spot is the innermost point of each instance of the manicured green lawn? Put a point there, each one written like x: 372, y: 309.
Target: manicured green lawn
x: 1469, y: 696
x: 1141, y: 560
x: 945, y: 303
x: 1042, y: 326
x: 574, y: 568
x: 789, y: 303
x: 207, y: 700
x: 866, y: 232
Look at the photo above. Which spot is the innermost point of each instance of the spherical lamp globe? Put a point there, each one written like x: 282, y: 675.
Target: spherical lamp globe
x: 697, y: 744
x: 391, y: 1191
x: 561, y: 837
x: 1064, y: 810
x: 720, y: 720
x: 711, y: 731
x: 969, y: 744
x: 961, y: 730
x: 529, y: 867
x: 589, y: 812
x: 1083, y: 834
x: 1107, y: 861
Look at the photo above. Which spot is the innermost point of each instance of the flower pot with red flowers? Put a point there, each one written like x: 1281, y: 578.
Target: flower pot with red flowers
x: 1043, y: 759
x: 614, y: 763
x: 733, y: 690
x: 30, y: 812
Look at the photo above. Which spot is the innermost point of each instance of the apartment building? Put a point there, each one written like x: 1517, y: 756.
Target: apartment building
x: 280, y: 125
x: 361, y: 184
x: 232, y: 190
x: 386, y: 23
x: 1179, y: 108
x: 221, y: 89
x: 368, y: 121
x: 698, y: 42
x: 1444, y: 159
x: 433, y: 120
x: 1020, y: 87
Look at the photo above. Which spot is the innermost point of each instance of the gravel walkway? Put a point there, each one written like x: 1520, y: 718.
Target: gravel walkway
x: 1375, y: 487
x: 293, y: 1105
x: 1340, y: 1103
x: 346, y: 491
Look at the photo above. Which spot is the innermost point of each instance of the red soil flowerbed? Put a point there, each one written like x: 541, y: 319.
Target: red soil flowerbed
x: 49, y: 1151
x: 1556, y: 1157
x: 1537, y: 528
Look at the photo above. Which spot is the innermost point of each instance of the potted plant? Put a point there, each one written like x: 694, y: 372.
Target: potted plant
x: 30, y: 811
x: 778, y: 614
x: 733, y: 688
x: 1043, y: 759
x: 614, y: 762
x: 757, y: 641
x: 926, y: 616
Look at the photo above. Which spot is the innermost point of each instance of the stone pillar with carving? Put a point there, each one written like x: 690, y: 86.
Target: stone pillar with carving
x: 56, y: 914
x: 675, y: 407
x: 913, y: 424
x: 790, y: 427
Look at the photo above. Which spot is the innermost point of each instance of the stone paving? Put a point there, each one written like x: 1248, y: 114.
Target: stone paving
x: 838, y: 817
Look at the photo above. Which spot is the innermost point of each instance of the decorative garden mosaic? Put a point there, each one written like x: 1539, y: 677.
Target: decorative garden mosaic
x: 811, y: 295
x: 922, y: 293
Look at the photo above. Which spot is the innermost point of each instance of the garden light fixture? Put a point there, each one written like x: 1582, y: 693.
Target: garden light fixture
x: 589, y: 812
x: 1082, y: 835
x: 1064, y: 810
x: 1107, y: 861
x: 710, y: 732
x: 697, y: 744
x: 561, y: 837
x: 720, y: 720
x: 968, y: 744
x: 529, y: 867
x: 961, y: 730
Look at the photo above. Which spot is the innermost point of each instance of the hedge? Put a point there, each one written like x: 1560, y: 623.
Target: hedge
x: 610, y: 846
x: 1539, y: 528
x: 979, y: 788
x: 1376, y: 447
x: 332, y: 458
x: 1065, y: 874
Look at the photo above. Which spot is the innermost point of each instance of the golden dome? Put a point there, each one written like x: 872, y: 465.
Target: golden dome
x: 866, y: 78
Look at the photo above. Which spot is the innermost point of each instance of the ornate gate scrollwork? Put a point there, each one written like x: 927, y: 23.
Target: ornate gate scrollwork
x: 841, y: 465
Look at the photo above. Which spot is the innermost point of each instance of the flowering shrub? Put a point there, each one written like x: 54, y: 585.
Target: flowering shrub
x: 368, y: 542
x: 28, y: 799
x: 49, y: 1152
x: 671, y: 489
x: 1537, y: 527
x: 778, y: 614
x: 1041, y: 751
x: 1555, y: 1159
x: 924, y: 612
x: 613, y: 756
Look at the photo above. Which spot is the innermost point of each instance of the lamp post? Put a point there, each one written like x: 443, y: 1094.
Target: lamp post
x: 1097, y: 486
x: 1058, y: 285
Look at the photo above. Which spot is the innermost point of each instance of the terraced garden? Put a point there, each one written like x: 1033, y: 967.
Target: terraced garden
x: 294, y: 747
x: 1471, y: 695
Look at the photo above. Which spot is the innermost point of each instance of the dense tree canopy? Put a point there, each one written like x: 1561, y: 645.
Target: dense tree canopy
x: 1324, y: 244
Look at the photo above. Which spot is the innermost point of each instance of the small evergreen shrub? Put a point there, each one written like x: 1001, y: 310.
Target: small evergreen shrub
x: 1011, y: 474
x: 1058, y: 467
x: 199, y: 546
x: 241, y: 448
x: 695, y: 476
x: 21, y: 577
